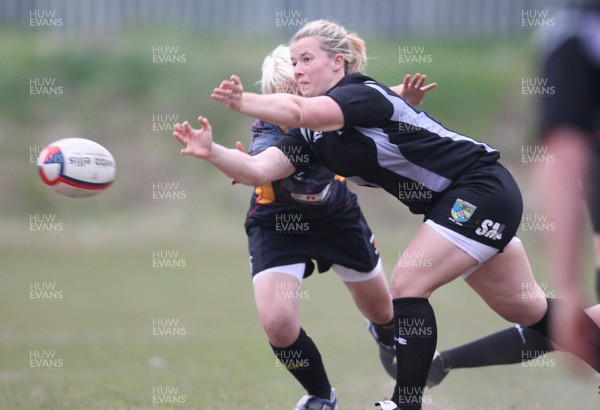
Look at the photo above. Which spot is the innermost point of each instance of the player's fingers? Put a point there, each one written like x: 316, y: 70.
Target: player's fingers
x: 406, y: 81
x: 236, y: 91
x: 429, y: 87
x: 180, y: 138
x: 220, y: 94
x: 233, y: 84
x: 222, y: 90
x: 205, y: 124
x: 415, y: 80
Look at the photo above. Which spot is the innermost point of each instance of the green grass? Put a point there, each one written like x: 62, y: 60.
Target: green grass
x: 102, y: 330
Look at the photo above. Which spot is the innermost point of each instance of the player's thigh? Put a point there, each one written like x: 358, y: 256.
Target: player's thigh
x: 467, y: 226
x: 277, y: 296
x: 506, y: 283
x: 429, y: 261
x: 373, y: 298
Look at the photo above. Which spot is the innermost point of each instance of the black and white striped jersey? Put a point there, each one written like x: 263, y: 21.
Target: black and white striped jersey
x: 388, y: 143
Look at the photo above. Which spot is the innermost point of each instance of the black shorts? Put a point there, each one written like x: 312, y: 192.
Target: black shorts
x: 345, y: 240
x: 485, y: 205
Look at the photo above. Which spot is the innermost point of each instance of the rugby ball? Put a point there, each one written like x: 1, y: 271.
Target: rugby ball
x: 76, y: 167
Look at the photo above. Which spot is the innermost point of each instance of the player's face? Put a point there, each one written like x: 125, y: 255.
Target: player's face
x: 315, y: 71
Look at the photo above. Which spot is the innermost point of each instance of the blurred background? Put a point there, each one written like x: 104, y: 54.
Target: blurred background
x: 164, y: 247
x: 123, y: 72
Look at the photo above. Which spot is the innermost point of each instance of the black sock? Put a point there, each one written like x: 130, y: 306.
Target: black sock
x: 592, y: 331
x: 513, y: 345
x: 303, y: 361
x: 415, y: 334
x: 385, y: 332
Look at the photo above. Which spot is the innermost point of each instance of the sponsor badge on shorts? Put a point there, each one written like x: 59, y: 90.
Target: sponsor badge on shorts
x: 461, y: 211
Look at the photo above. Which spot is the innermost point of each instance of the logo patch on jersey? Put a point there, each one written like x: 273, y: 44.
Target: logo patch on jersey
x: 491, y: 229
x: 461, y: 211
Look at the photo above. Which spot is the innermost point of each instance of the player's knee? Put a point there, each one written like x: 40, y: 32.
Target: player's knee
x: 281, y: 330
x: 380, y: 313
x: 405, y: 287
x: 377, y: 309
x: 525, y: 314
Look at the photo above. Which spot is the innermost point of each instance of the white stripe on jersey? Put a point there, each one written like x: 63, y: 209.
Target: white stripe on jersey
x: 403, y: 112
x: 309, y: 136
x: 306, y: 134
x: 390, y: 157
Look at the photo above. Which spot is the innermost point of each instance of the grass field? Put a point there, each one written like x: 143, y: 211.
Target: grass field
x: 117, y: 331
x: 125, y: 302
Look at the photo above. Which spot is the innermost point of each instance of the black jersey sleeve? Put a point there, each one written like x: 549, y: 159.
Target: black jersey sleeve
x: 362, y: 105
x: 295, y: 145
x: 576, y: 83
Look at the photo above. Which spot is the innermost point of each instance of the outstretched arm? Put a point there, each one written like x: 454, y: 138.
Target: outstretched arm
x: 269, y: 165
x: 315, y: 113
x: 558, y: 187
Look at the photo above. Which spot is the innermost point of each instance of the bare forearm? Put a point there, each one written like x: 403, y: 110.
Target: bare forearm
x: 282, y: 109
x: 318, y: 113
x: 236, y: 165
x: 560, y: 188
x: 267, y: 166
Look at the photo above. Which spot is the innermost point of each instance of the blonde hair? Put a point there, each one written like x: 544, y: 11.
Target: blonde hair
x: 278, y: 72
x: 336, y: 40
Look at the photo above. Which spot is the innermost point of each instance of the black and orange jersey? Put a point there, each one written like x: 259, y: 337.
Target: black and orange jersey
x: 312, y: 190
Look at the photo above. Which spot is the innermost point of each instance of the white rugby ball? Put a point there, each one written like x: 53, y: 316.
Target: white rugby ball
x: 76, y: 167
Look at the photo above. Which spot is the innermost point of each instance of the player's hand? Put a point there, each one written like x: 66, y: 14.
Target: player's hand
x: 197, y: 142
x: 413, y: 89
x: 230, y: 92
x: 239, y: 147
